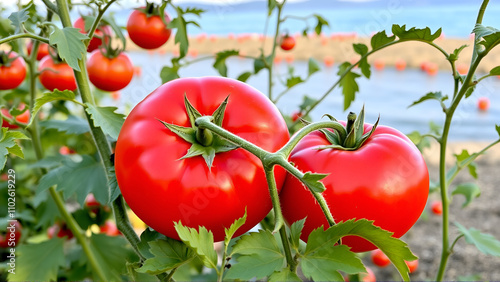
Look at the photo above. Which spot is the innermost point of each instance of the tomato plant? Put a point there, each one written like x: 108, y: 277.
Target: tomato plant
x: 287, y: 42
x: 12, y: 70
x: 146, y: 27
x: 216, y: 188
x: 110, y: 74
x: 379, y: 258
x: 56, y: 75
x: 100, y: 33
x: 382, y: 178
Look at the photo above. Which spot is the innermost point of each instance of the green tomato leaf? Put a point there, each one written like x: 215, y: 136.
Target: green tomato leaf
x: 233, y: 228
x: 259, y: 64
x: 113, y: 185
x: 8, y: 144
x: 438, y: 96
x: 271, y: 4
x: 71, y: 125
x: 201, y: 242
x: 284, y: 275
x: 77, y: 178
x: 169, y: 73
x: 50, y: 97
x: 466, y: 159
x: 365, y: 67
x: 497, y: 128
x: 485, y: 243
x: 360, y: 48
x: 220, y: 60
x: 348, y: 84
x: 307, y: 103
x: 18, y: 18
x: 260, y: 256
x: 70, y: 46
x: 321, y: 22
x: 380, y: 39
x: 495, y: 71
x: 488, y: 37
x: 194, y: 10
x: 293, y: 80
x: 397, y: 250
x: 295, y: 231
x: 454, y: 56
x: 244, y: 76
x: 148, y: 236
x: 312, y: 180
x: 106, y: 118
x: 168, y: 254
x: 111, y: 253
x: 420, y: 34
x: 312, y: 67
x: 469, y: 190
x: 39, y: 262
x: 181, y: 35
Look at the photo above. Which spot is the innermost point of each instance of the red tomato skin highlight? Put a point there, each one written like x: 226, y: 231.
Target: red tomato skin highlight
x: 162, y: 189
x: 110, y: 74
x: 147, y: 32
x: 56, y: 75
x: 386, y: 180
x: 12, y: 76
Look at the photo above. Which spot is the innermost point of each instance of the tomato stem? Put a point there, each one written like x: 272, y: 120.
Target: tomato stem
x: 204, y: 137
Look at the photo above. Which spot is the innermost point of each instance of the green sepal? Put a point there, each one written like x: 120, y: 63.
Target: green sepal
x: 189, y: 134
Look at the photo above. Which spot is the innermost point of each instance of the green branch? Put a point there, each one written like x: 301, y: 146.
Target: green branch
x: 24, y: 35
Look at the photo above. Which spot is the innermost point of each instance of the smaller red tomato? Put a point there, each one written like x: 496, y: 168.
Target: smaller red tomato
x: 110, y: 74
x: 437, y: 207
x: 296, y: 116
x: 92, y: 204
x: 22, y: 118
x: 59, y: 230
x: 65, y: 150
x: 483, y: 104
x: 287, y: 42
x: 109, y: 228
x: 400, y: 65
x: 13, y: 235
x: 147, y: 30
x: 100, y: 32
x: 43, y: 50
x: 379, y: 258
x: 12, y: 71
x: 56, y: 75
x: 412, y: 265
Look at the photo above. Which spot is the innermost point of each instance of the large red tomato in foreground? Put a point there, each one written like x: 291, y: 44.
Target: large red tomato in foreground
x: 56, y: 75
x: 161, y: 188
x: 12, y: 73
x: 147, y: 31
x: 385, y: 180
x: 110, y: 74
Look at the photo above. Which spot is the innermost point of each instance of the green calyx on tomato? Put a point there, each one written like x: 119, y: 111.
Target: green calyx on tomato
x: 6, y: 59
x: 204, y: 142
x: 352, y: 137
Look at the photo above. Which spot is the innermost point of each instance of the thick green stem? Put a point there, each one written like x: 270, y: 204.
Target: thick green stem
x: 23, y: 35
x: 273, y: 192
x: 446, y: 251
x: 100, y: 140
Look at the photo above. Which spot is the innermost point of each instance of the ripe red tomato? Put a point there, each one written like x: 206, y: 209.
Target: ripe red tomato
x: 296, y: 115
x: 412, y: 265
x: 483, y: 104
x: 10, y: 236
x: 95, y: 42
x: 22, y: 118
x: 56, y: 75
x: 59, y: 230
x: 161, y: 188
x: 287, y: 42
x: 437, y: 207
x: 386, y: 180
x: 109, y: 228
x: 379, y: 258
x: 110, y: 74
x: 43, y: 50
x: 12, y: 73
x: 147, y: 31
